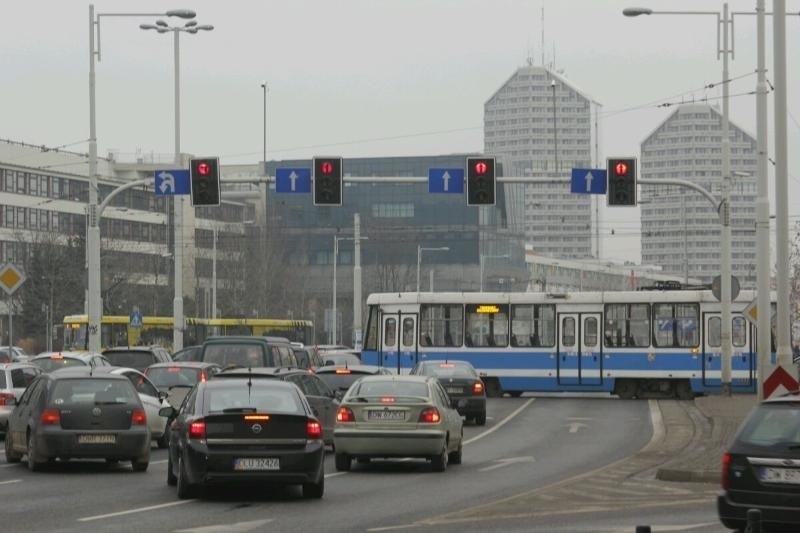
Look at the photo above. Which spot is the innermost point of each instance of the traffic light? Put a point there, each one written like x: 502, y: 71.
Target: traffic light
x: 621, y: 181
x: 480, y: 181
x: 204, y: 181
x: 327, y: 181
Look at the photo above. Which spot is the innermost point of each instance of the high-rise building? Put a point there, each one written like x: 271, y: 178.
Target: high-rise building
x: 680, y: 227
x: 540, y: 124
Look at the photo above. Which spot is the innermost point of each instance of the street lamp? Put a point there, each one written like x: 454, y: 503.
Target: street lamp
x: 93, y: 291
x: 724, y: 205
x: 177, y: 307
x: 266, y: 90
x: 483, y: 260
x: 420, y: 249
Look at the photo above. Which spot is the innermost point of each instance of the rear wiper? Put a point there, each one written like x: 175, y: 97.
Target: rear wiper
x: 239, y: 410
x: 110, y: 402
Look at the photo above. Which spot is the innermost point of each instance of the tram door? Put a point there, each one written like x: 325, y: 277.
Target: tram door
x: 712, y: 349
x: 579, y: 358
x: 742, y: 350
x: 399, y: 342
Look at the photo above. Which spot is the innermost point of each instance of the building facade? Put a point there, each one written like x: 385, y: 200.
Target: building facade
x: 680, y: 228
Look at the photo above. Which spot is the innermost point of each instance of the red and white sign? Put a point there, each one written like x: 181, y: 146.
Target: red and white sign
x: 779, y: 382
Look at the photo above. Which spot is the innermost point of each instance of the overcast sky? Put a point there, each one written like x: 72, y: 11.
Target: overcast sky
x: 368, y: 77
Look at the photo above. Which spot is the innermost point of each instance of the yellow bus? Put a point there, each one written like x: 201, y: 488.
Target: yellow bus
x: 117, y: 331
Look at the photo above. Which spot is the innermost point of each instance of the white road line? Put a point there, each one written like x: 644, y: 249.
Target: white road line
x: 10, y: 481
x: 334, y: 474
x: 161, y: 461
x: 499, y: 424
x: 133, y: 511
x: 9, y: 465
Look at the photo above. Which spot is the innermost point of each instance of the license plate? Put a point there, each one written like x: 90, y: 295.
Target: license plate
x: 780, y: 475
x: 97, y: 439
x: 257, y: 463
x: 455, y: 390
x: 386, y: 415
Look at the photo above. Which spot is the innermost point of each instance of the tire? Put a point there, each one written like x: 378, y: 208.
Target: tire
x: 455, y: 457
x: 343, y: 462
x: 363, y: 460
x: 515, y: 393
x: 140, y: 464
x: 185, y: 490
x: 11, y: 455
x: 33, y: 464
x: 480, y: 419
x: 172, y: 479
x: 626, y: 389
x: 439, y: 462
x: 314, y: 490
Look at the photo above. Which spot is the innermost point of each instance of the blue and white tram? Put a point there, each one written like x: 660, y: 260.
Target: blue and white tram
x: 658, y: 343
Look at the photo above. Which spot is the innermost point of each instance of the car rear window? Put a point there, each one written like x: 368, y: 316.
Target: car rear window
x: 341, y: 378
x: 48, y: 364
x: 391, y: 388
x: 341, y: 359
x: 131, y: 359
x: 772, y: 424
x: 449, y: 370
x: 240, y: 397
x: 93, y: 390
x: 166, y: 377
x: 241, y: 355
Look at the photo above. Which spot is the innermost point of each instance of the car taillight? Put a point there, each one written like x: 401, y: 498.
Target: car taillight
x: 203, y: 377
x: 726, y: 463
x: 430, y: 415
x: 197, y: 429
x: 345, y: 414
x: 313, y: 430
x: 477, y: 388
x: 6, y: 398
x: 50, y: 417
x: 138, y: 418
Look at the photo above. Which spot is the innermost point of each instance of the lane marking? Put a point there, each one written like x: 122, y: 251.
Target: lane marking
x: 334, y: 474
x: 160, y: 461
x: 499, y: 424
x: 500, y: 463
x: 10, y: 481
x: 133, y: 511
x: 227, y: 528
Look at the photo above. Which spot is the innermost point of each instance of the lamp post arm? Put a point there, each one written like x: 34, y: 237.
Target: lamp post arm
x: 684, y: 183
x: 115, y: 192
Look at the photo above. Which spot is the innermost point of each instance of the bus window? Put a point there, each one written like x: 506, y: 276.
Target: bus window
x: 441, y: 325
x: 371, y: 337
x: 676, y: 325
x: 714, y: 332
x: 486, y: 325
x: 408, y: 332
x: 533, y: 325
x: 390, y: 332
x: 627, y: 325
x: 590, y: 331
x: 568, y: 332
x: 738, y: 331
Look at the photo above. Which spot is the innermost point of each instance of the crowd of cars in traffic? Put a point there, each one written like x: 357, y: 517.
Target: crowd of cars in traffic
x: 236, y: 408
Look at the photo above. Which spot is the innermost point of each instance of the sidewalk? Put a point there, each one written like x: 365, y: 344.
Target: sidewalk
x: 716, y: 420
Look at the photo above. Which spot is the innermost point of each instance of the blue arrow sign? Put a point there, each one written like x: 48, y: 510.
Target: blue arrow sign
x: 293, y: 180
x: 172, y: 182
x: 588, y: 180
x: 135, y: 319
x: 446, y: 180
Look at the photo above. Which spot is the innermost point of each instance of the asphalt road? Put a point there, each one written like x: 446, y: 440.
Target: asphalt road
x: 527, y: 443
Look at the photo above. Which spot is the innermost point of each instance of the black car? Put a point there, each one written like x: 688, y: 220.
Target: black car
x: 72, y: 415
x: 245, y: 430
x: 761, y: 469
x: 248, y: 351
x: 323, y: 399
x: 138, y: 357
x: 339, y: 378
x: 188, y: 353
x: 463, y: 385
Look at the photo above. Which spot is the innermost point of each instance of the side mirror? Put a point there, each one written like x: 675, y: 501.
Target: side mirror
x: 338, y: 394
x: 162, y: 395
x: 167, y: 412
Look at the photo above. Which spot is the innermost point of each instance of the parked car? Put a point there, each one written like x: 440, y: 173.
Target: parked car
x: 761, y: 468
x: 49, y: 361
x: 248, y: 351
x: 269, y: 432
x: 138, y: 357
x: 14, y: 379
x: 340, y: 378
x: 462, y: 384
x: 69, y: 415
x: 397, y: 416
x: 322, y: 399
x: 188, y: 353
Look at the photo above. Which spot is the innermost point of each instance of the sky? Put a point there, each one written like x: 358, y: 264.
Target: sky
x: 362, y: 78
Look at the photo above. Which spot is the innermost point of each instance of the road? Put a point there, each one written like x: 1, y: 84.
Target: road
x: 528, y: 444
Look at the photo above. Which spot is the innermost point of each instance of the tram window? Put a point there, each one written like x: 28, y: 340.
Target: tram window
x: 533, y: 325
x: 675, y: 325
x: 627, y: 325
x: 714, y: 332
x: 408, y: 332
x: 486, y: 325
x: 390, y: 332
x: 371, y: 338
x: 441, y: 325
x: 568, y: 332
x: 590, y: 331
x: 738, y: 331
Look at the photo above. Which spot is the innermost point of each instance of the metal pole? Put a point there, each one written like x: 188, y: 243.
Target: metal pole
x: 685, y: 243
x: 214, y: 275
x: 481, y: 282
x: 264, y: 86
x: 431, y: 274
x: 762, y: 207
x: 333, y: 305
x: 725, y: 271
x: 177, y: 305
x: 357, y: 321
x: 10, y: 326
x: 555, y: 130
x: 784, y: 352
x: 419, y: 261
x: 93, y: 292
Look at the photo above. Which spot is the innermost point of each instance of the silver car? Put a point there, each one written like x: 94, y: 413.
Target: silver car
x: 397, y: 416
x: 14, y: 379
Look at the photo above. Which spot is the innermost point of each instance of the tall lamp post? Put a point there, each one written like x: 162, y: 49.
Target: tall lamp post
x: 420, y: 249
x: 725, y: 51
x: 177, y: 306
x: 483, y: 261
x: 266, y: 90
x: 93, y: 290
x: 336, y: 239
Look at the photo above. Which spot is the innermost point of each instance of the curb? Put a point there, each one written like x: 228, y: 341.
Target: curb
x: 689, y: 476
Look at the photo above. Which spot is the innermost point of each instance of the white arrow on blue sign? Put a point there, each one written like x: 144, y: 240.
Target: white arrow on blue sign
x: 292, y: 180
x: 446, y: 180
x: 588, y: 180
x: 172, y: 182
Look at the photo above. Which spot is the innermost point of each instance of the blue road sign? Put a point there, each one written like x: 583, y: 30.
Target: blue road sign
x: 293, y: 180
x: 447, y: 180
x: 136, y: 319
x: 172, y: 182
x: 589, y: 180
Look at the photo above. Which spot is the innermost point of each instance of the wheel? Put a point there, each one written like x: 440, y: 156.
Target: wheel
x: 140, y: 464
x: 683, y: 390
x: 314, y: 490
x: 515, y: 393
x: 626, y: 389
x: 455, y: 457
x: 11, y: 455
x: 363, y: 460
x: 343, y: 462
x: 439, y: 462
x: 172, y: 480
x: 33, y: 464
x: 480, y: 419
x: 185, y: 490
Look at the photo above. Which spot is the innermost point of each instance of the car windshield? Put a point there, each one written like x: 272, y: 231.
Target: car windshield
x: 395, y: 388
x: 171, y: 376
x: 48, y: 364
x: 93, y: 391
x: 131, y: 359
x: 243, y: 355
x: 449, y: 370
x: 243, y: 398
x: 772, y: 424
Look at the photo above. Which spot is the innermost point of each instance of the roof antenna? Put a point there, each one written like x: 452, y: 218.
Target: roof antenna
x: 249, y: 383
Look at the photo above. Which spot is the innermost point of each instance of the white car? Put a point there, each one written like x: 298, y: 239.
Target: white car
x: 153, y: 401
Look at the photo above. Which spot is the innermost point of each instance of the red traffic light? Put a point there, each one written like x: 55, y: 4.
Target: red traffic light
x: 204, y: 169
x: 621, y: 168
x: 481, y: 167
x: 327, y: 167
